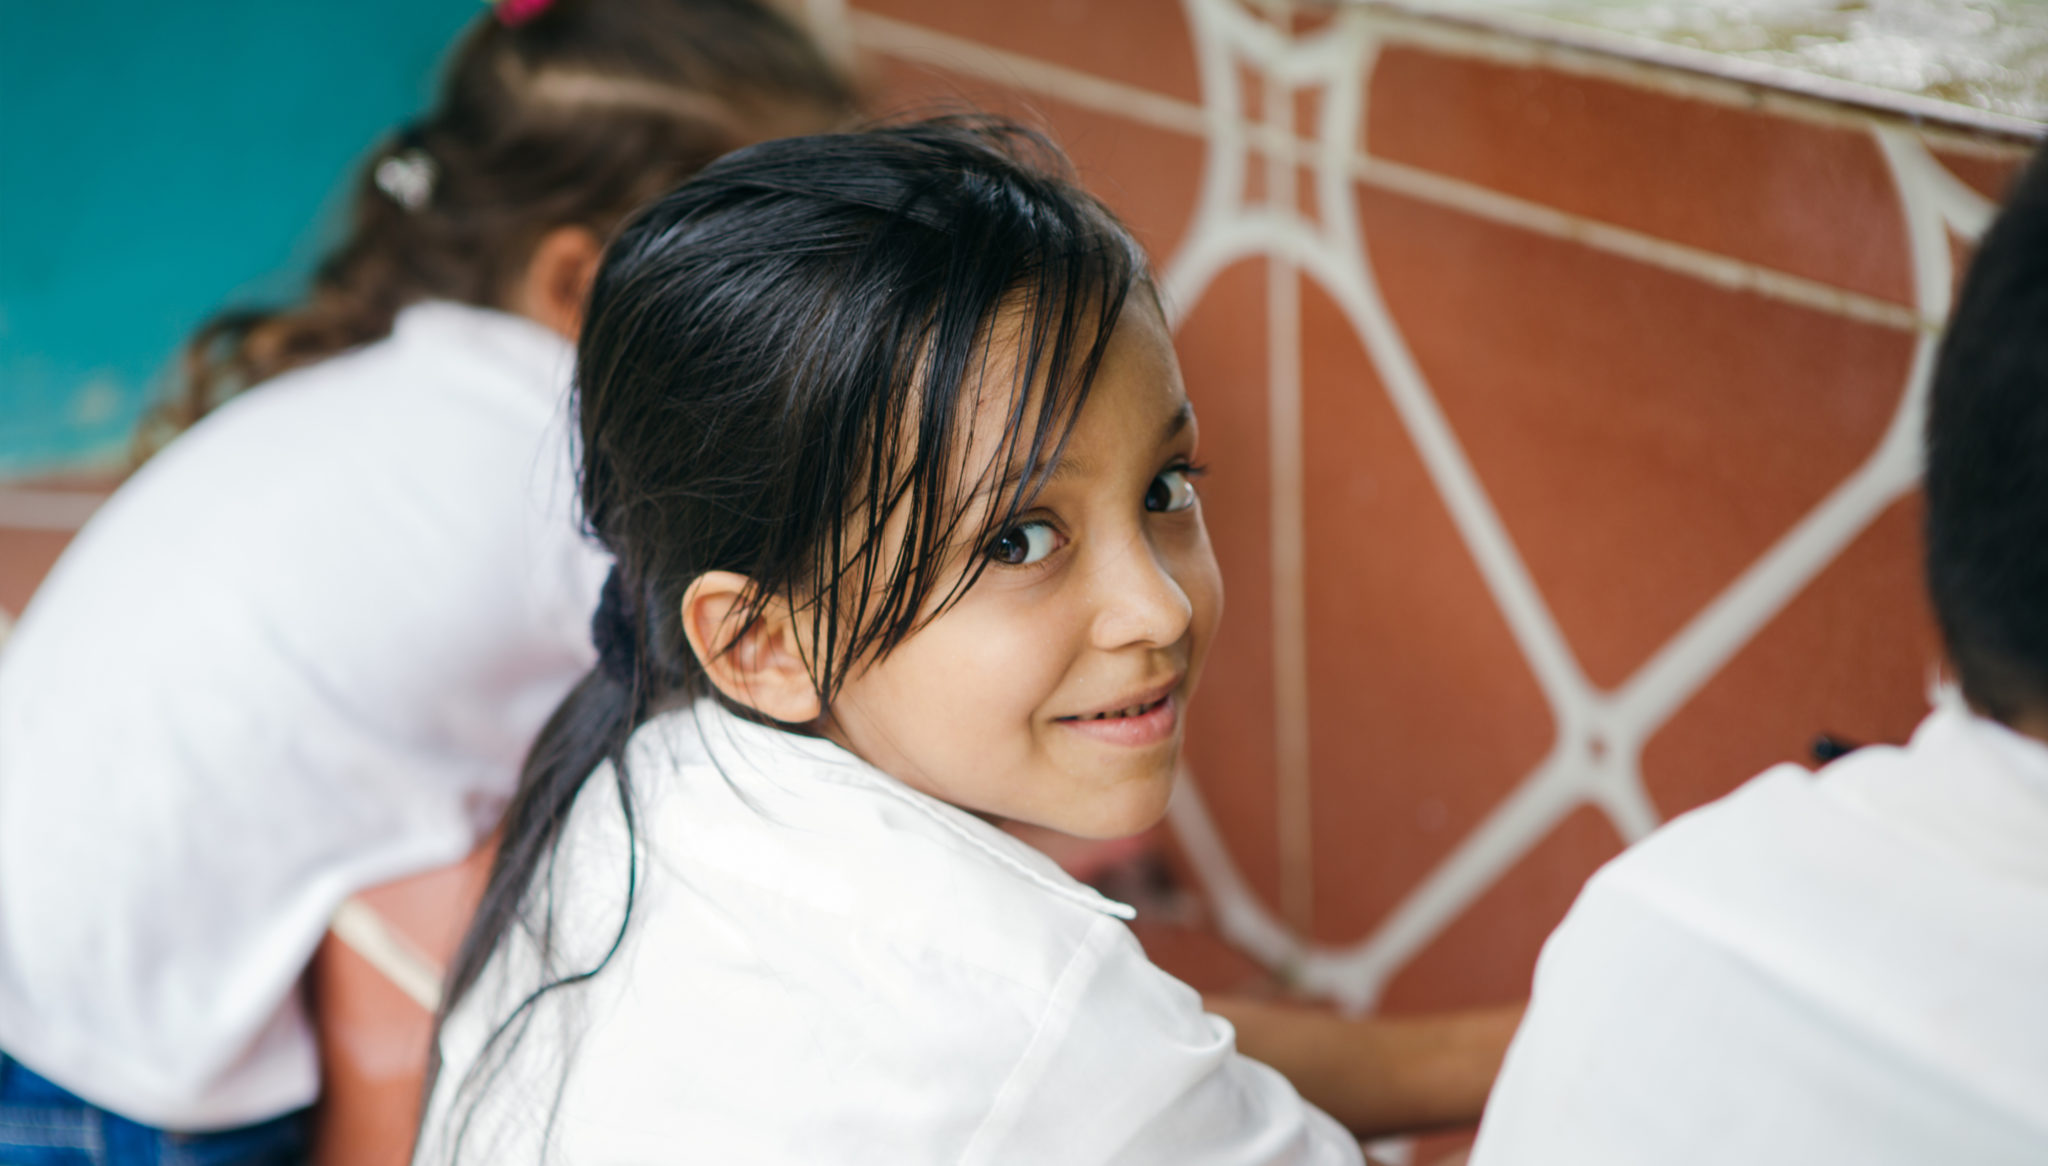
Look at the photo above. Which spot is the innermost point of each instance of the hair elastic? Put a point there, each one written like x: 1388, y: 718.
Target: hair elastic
x: 613, y: 633
x: 407, y: 177
x: 513, y: 13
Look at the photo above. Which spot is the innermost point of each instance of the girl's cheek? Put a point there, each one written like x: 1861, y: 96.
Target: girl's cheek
x: 1013, y: 638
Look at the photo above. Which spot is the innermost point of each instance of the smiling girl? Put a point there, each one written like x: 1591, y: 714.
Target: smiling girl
x: 888, y: 437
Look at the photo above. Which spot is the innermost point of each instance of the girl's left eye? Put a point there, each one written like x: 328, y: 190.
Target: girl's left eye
x: 1024, y: 544
x: 1172, y: 490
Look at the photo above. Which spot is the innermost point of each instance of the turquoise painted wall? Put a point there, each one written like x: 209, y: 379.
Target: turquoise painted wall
x: 159, y: 160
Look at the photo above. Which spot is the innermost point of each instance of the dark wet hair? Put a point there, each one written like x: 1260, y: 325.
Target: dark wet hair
x: 781, y: 358
x: 1987, y: 464
x: 572, y: 118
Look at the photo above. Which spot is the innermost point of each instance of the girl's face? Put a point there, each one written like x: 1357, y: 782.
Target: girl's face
x: 1055, y: 691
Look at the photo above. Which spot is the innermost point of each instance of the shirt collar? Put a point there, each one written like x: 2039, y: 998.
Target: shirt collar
x: 744, y: 750
x: 1973, y: 787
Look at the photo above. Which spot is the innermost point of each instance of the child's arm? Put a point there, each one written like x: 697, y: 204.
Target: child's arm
x: 1379, y: 1075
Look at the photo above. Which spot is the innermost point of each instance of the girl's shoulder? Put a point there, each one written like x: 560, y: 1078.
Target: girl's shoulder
x: 827, y: 844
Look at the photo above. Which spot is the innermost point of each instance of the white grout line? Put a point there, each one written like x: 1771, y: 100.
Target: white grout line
x: 1710, y: 267
x: 47, y: 509
x: 358, y: 925
x: 1292, y: 779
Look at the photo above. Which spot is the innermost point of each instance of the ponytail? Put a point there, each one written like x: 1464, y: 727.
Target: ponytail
x: 590, y: 727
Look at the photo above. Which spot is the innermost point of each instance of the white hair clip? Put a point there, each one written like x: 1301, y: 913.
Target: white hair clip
x: 406, y: 177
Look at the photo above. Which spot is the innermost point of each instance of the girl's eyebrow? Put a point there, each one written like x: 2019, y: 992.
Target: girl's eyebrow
x: 1179, y: 420
x: 1069, y: 465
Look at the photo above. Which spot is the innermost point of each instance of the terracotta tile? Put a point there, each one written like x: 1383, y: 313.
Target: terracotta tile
x: 1199, y: 958
x: 1138, y: 42
x: 1307, y: 22
x: 1251, y: 88
x: 1308, y: 106
x: 1810, y: 200
x: 1988, y: 174
x: 1230, y: 729
x: 1489, y: 954
x: 1305, y: 201
x: 1850, y: 657
x: 1423, y: 714
x: 1149, y: 176
x: 1255, y: 184
x: 25, y: 557
x: 1644, y: 436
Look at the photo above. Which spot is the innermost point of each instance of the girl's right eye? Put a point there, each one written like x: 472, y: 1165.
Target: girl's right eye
x: 1024, y: 544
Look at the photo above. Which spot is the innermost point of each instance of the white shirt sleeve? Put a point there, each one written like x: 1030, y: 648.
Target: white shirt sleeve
x: 1128, y: 1069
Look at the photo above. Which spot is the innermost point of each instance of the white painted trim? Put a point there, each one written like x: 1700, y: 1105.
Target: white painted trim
x: 411, y: 970
x: 61, y: 510
x: 1722, y: 271
x: 1286, y: 534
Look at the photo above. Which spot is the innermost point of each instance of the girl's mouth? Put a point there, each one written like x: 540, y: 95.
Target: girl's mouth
x: 1145, y: 723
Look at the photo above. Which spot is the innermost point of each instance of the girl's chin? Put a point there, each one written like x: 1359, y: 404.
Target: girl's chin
x: 1130, y: 807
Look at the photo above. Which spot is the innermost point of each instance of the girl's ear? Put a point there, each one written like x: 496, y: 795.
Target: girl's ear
x: 558, y: 278
x: 761, y: 665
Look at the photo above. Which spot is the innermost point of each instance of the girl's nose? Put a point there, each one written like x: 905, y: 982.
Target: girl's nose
x: 1139, y: 602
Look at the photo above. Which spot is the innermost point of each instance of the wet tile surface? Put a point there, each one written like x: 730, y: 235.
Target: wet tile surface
x: 1231, y: 741
x: 1143, y: 43
x: 1423, y: 713
x: 1487, y: 956
x: 1644, y: 435
x: 1810, y: 200
x: 1850, y: 657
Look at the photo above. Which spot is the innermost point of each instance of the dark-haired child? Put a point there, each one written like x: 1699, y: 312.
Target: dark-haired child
x: 1849, y: 966
x: 304, y: 649
x: 888, y: 438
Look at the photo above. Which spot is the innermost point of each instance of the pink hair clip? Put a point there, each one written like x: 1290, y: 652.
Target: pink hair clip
x: 513, y: 13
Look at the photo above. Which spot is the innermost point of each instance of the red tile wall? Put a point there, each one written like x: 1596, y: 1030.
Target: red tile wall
x: 1643, y: 430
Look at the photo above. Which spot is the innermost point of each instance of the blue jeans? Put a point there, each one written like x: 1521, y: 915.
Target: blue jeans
x: 42, y: 1125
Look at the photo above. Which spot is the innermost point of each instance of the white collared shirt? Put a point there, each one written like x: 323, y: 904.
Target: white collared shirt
x: 1843, y: 967
x: 824, y: 965
x: 300, y: 653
